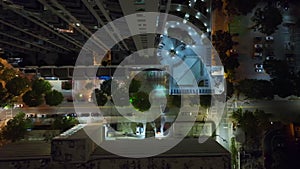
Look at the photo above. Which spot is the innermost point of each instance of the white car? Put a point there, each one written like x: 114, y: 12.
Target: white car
x: 18, y: 105
x: 269, y: 38
x: 258, y: 45
x: 258, y: 70
x: 256, y: 54
x: 270, y: 58
x: 258, y: 66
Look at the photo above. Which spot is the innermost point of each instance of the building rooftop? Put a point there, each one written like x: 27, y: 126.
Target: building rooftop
x: 187, y: 147
x: 25, y: 150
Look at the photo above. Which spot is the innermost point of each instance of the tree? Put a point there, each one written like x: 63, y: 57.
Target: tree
x: 5, y: 97
x: 277, y: 68
x: 222, y: 41
x: 231, y: 62
x: 205, y: 101
x: 32, y: 99
x: 64, y: 123
x: 66, y: 85
x: 297, y: 84
x: 54, y: 98
x: 140, y: 101
x: 41, y: 86
x: 234, y: 153
x: 252, y: 123
x: 230, y: 75
x: 100, y: 97
x: 134, y: 86
x: 283, y: 87
x: 230, y: 89
x: 256, y: 89
x: 267, y: 20
x: 263, y: 119
x: 106, y: 87
x: 176, y: 100
x: 17, y: 86
x: 16, y: 128
x: 240, y: 7
x: 8, y: 74
x: 284, y: 83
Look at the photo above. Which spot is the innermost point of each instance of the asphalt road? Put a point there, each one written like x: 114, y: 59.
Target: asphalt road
x: 283, y: 109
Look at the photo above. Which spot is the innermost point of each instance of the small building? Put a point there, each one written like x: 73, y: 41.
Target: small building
x: 73, y: 149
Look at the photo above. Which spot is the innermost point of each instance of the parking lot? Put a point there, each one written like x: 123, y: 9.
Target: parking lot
x: 254, y: 48
x: 251, y: 49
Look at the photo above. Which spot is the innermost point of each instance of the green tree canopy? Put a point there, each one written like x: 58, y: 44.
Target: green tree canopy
x: 176, y: 100
x: 32, y: 99
x: 277, y: 68
x: 252, y: 123
x: 140, y: 101
x: 134, y: 86
x: 54, y: 98
x: 100, y: 97
x: 5, y: 97
x: 67, y: 85
x: 256, y: 89
x: 7, y: 74
x: 41, y: 86
x: 222, y: 41
x: 64, y: 123
x: 297, y: 84
x: 284, y: 83
x: 106, y: 87
x: 267, y: 19
x: 240, y: 7
x: 16, y: 128
x: 231, y: 62
x: 283, y: 87
x: 230, y: 89
x: 17, y: 86
x: 205, y: 101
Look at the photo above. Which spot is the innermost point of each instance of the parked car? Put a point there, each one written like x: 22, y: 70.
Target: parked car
x: 258, y: 66
x: 257, y: 54
x: 258, y: 45
x: 18, y: 105
x: 270, y: 57
x: 258, y: 70
x: 232, y: 51
x: 269, y: 38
